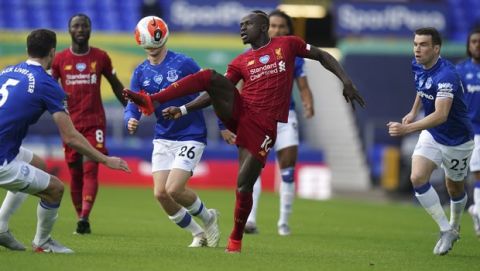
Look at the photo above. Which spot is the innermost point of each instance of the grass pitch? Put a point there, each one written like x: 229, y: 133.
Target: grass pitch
x: 131, y: 232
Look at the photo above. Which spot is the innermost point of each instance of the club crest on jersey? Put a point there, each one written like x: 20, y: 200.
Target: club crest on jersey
x: 278, y: 53
x: 93, y: 66
x: 81, y: 67
x: 172, y: 75
x: 158, y: 78
x: 264, y: 59
x: 429, y: 82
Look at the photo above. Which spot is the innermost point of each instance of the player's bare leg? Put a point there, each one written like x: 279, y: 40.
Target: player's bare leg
x: 249, y: 170
x: 176, y: 213
x: 176, y: 188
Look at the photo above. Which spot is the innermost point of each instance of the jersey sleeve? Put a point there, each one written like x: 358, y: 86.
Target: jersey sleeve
x: 299, y: 46
x: 299, y: 72
x: 447, y: 86
x: 234, y: 73
x: 54, y: 98
x: 131, y: 110
x: 190, y: 66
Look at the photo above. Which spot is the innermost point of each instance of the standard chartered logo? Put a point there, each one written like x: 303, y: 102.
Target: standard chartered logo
x: 390, y: 18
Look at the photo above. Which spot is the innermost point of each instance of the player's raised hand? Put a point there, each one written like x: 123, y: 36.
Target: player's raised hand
x: 117, y: 163
x: 228, y: 136
x: 171, y: 113
x: 351, y: 94
x: 132, y: 125
x: 396, y: 128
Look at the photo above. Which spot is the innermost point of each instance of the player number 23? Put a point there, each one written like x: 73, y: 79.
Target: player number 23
x: 4, y: 90
x: 456, y: 162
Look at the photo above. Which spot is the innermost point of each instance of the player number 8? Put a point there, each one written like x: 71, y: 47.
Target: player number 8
x: 99, y: 136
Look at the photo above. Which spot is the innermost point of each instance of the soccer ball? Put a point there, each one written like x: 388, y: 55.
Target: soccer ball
x: 151, y: 32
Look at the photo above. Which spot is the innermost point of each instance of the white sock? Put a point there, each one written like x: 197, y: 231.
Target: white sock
x: 10, y: 204
x: 257, y: 190
x: 287, y: 195
x: 198, y: 209
x: 476, y: 199
x: 46, y: 216
x: 184, y: 220
x: 431, y: 203
x: 456, y: 211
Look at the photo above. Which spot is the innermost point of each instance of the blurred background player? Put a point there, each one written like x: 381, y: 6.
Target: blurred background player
x: 253, y: 113
x: 446, y: 137
x: 177, y: 145
x: 29, y: 84
x: 286, y: 146
x: 80, y: 69
x: 469, y: 71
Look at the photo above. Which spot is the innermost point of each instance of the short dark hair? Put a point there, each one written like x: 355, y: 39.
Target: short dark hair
x: 80, y: 15
x: 430, y: 31
x: 476, y: 30
x: 40, y: 42
x: 262, y: 15
x: 287, y: 18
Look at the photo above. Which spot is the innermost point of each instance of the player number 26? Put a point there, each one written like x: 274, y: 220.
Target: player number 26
x: 185, y: 151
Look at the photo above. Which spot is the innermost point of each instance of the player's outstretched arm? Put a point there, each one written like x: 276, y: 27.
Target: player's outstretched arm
x: 174, y: 112
x: 77, y: 141
x: 350, y: 92
x: 117, y: 88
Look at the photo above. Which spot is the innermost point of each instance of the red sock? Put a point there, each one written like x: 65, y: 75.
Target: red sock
x: 90, y: 187
x: 190, y: 84
x: 243, y: 206
x: 76, y: 186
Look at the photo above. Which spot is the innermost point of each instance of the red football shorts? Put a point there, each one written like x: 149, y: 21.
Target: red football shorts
x: 94, y: 135
x: 255, y: 130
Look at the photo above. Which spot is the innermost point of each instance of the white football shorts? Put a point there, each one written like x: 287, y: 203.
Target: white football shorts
x: 475, y: 161
x: 19, y: 175
x: 453, y: 159
x: 168, y: 154
x: 287, y: 133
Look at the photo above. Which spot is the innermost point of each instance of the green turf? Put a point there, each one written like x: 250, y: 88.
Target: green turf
x: 131, y: 232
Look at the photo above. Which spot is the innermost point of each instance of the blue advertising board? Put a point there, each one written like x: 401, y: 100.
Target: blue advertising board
x: 212, y: 15
x: 387, y: 18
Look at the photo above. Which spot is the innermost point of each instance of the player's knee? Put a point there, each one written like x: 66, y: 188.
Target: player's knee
x: 174, y: 193
x: 161, y: 195
x: 417, y: 179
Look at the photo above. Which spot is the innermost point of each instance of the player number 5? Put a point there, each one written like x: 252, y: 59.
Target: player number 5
x: 4, y: 90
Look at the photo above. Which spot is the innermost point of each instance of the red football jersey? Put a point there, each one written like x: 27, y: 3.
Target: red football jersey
x: 267, y: 73
x: 81, y: 76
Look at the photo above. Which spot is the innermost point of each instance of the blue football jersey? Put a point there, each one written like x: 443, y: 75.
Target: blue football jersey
x: 442, y: 81
x: 470, y: 76
x: 154, y: 78
x: 297, y: 72
x: 26, y: 91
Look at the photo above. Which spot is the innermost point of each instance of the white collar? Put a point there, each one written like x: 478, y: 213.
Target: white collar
x: 33, y: 62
